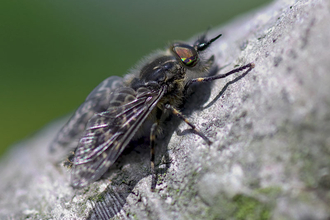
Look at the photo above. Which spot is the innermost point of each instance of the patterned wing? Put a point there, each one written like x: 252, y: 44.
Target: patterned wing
x: 97, y: 101
x: 108, y: 133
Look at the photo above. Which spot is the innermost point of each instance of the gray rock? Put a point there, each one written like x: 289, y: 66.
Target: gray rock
x: 270, y: 157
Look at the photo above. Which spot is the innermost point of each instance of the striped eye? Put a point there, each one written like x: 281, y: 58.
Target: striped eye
x: 186, y: 53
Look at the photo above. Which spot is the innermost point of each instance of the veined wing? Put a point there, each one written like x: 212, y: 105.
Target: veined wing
x: 97, y: 101
x: 108, y: 133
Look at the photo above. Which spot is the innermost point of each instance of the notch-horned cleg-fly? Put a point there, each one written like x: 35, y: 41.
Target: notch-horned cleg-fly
x: 120, y: 110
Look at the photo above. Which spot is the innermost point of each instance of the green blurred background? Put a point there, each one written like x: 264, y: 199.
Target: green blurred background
x: 53, y: 53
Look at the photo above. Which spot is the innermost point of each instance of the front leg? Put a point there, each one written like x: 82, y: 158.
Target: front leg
x: 249, y: 67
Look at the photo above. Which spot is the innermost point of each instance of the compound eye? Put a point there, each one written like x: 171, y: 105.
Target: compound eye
x: 187, y: 54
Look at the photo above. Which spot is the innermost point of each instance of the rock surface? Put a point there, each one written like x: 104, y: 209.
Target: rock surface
x: 270, y: 157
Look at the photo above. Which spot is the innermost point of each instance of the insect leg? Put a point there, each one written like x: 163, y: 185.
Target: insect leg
x: 152, y: 155
x: 69, y: 160
x: 249, y: 66
x: 181, y: 116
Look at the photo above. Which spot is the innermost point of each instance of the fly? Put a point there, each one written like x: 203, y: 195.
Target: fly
x: 120, y: 110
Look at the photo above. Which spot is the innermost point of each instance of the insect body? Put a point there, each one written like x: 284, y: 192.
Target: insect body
x: 120, y: 110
